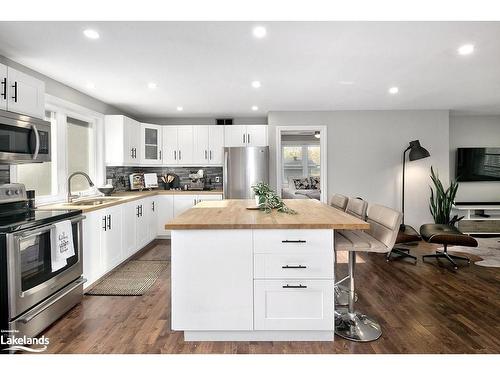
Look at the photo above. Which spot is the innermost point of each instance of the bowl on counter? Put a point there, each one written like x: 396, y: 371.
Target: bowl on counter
x: 106, y: 190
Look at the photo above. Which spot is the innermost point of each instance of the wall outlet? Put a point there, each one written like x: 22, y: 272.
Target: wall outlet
x: 217, y: 179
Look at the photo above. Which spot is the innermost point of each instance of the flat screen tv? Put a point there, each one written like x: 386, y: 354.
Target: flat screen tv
x: 478, y: 164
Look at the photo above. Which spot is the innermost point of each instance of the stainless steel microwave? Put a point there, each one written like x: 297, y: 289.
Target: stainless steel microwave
x: 23, y: 139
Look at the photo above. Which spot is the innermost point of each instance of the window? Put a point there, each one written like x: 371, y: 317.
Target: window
x: 42, y: 177
x: 76, y: 145
x: 80, y: 150
x: 301, y: 161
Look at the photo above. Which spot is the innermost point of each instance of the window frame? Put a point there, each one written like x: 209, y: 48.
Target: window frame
x: 64, y: 109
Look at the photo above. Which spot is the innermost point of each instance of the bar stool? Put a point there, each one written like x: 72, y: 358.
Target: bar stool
x: 357, y: 208
x: 339, y: 201
x: 380, y: 238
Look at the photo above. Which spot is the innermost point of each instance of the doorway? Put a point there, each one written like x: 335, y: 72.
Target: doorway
x: 301, y: 162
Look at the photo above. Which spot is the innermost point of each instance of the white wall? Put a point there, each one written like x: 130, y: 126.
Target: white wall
x: 365, y: 154
x: 474, y: 131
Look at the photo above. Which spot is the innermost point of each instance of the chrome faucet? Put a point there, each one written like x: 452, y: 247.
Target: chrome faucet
x: 70, y: 196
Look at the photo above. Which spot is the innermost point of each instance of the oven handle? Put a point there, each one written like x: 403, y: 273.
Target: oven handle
x: 36, y: 232
x: 29, y: 317
x: 37, y: 142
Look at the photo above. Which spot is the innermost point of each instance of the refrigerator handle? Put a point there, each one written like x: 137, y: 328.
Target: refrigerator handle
x: 224, y: 174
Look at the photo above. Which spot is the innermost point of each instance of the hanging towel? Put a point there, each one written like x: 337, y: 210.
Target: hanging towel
x: 62, y: 244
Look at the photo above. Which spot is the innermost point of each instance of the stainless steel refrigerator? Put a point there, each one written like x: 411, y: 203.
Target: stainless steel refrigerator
x: 244, y: 167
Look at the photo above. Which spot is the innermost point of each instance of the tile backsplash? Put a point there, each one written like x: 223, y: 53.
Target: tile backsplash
x: 120, y: 175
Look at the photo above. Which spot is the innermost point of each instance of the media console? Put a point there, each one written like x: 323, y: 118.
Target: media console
x: 481, y: 218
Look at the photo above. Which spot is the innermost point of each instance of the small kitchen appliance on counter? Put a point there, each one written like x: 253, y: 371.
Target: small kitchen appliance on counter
x: 136, y: 181
x: 150, y: 180
x: 197, y: 180
x: 32, y: 295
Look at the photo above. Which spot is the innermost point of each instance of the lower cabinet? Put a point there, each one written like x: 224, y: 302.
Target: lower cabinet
x: 129, y: 220
x: 111, y: 237
x: 142, y: 223
x: 301, y: 304
x: 165, y: 212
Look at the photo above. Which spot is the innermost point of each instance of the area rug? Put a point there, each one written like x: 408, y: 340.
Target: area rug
x: 133, y: 278
x: 487, y: 248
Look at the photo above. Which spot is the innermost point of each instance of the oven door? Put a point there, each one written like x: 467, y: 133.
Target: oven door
x: 30, y: 275
x: 23, y: 139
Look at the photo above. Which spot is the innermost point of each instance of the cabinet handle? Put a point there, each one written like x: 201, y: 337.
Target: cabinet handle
x: 135, y: 152
x: 210, y: 154
x: 160, y: 154
x: 244, y: 138
x: 205, y: 154
x: 293, y: 241
x: 14, y: 86
x: 137, y: 209
x: 4, y: 90
x: 175, y: 155
x: 132, y: 152
x: 300, y: 286
x: 180, y: 157
x: 109, y: 222
x: 140, y: 208
x: 194, y: 201
x: 248, y: 138
x: 153, y: 206
x: 300, y: 266
x: 105, y: 227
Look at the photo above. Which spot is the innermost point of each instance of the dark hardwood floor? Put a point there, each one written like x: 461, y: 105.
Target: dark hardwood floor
x: 423, y: 308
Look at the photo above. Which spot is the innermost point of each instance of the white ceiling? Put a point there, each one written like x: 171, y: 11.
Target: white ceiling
x: 207, y: 67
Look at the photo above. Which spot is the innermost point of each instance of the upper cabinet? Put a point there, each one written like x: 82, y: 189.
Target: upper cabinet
x: 245, y: 135
x: 178, y: 145
x: 208, y: 144
x: 151, y: 144
x: 21, y: 93
x: 122, y: 140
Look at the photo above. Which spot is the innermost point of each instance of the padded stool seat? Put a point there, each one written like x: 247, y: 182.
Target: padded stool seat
x: 446, y: 235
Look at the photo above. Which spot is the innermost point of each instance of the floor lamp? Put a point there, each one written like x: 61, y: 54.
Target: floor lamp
x: 408, y: 234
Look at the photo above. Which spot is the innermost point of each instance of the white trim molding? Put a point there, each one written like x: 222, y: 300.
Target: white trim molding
x: 323, y: 155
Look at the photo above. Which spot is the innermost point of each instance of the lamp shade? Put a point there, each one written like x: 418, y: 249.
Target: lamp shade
x: 417, y: 151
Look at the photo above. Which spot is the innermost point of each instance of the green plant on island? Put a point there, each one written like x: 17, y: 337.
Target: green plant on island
x: 268, y: 200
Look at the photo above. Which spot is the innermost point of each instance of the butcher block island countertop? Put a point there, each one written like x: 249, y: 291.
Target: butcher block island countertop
x: 234, y: 214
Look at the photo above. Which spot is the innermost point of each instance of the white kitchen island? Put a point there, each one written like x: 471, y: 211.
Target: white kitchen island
x: 240, y: 274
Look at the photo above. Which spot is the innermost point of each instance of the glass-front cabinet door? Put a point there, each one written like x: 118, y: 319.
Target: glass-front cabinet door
x: 151, y: 144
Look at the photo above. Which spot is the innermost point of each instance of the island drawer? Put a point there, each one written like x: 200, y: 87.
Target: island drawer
x: 296, y: 265
x: 293, y: 304
x: 292, y: 241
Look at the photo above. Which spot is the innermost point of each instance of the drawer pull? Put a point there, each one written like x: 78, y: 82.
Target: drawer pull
x: 294, y: 241
x: 299, y: 266
x: 300, y: 286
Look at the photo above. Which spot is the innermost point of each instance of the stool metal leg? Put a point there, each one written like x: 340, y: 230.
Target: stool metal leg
x: 341, y: 292
x: 351, y: 324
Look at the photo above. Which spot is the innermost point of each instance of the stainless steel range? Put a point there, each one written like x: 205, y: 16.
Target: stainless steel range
x: 32, y: 296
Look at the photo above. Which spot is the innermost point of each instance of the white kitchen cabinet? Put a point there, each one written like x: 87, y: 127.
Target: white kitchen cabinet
x: 122, y: 140
x: 183, y: 203
x: 111, y: 237
x: 165, y: 213
x: 177, y: 145
x: 92, y: 266
x: 245, y: 135
x: 151, y: 144
x: 129, y: 223
x: 293, y: 304
x: 22, y: 93
x: 142, y: 223
x: 3, y: 87
x: 151, y: 206
x: 208, y: 144
x: 212, y: 287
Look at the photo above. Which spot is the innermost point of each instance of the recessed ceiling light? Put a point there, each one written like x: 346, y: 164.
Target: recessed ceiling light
x: 90, y: 85
x: 346, y: 83
x: 179, y: 108
x: 466, y: 49
x: 256, y: 84
x: 91, y: 34
x: 393, y: 90
x: 255, y: 108
x: 152, y: 85
x: 259, y: 32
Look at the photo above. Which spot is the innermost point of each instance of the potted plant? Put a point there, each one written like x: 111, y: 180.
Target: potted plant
x: 441, y: 201
x: 267, y: 199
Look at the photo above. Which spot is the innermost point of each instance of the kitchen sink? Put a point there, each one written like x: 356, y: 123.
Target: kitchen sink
x: 93, y: 201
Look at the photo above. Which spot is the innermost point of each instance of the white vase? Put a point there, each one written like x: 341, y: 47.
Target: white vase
x: 257, y: 200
